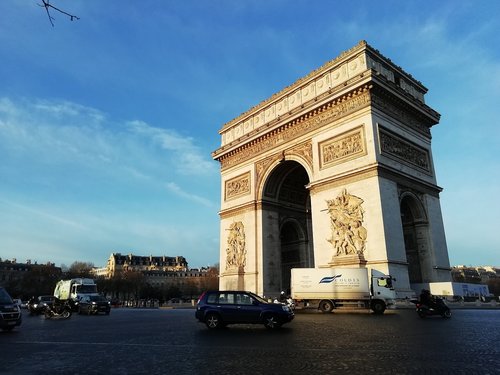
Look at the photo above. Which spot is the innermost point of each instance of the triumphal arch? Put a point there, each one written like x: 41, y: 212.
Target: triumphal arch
x: 335, y: 170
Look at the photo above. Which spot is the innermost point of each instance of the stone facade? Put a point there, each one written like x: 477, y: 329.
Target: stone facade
x: 118, y: 263
x: 12, y: 272
x: 160, y: 271
x: 334, y: 170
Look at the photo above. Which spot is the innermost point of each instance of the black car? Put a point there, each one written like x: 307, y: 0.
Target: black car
x: 219, y: 308
x: 10, y: 313
x: 94, y: 304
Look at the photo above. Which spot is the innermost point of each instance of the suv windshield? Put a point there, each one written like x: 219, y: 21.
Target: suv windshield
x: 4, y: 297
x: 258, y: 298
x: 97, y: 298
x: 86, y: 289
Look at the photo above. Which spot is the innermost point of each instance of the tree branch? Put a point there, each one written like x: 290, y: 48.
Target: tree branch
x: 47, y: 6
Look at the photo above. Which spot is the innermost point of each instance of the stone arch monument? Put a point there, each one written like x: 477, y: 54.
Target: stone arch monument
x: 335, y: 170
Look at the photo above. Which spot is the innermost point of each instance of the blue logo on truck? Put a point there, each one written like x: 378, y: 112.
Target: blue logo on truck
x: 329, y: 279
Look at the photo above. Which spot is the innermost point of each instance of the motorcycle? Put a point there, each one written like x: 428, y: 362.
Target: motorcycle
x: 287, y: 301
x: 290, y: 303
x: 61, y: 309
x: 438, y: 308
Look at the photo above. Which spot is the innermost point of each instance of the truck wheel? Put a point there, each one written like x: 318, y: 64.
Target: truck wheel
x: 378, y: 307
x: 326, y: 306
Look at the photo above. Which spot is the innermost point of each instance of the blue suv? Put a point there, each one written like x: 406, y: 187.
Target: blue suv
x: 219, y: 308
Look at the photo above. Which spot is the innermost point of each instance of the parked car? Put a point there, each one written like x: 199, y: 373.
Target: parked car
x: 219, y: 308
x: 94, y: 305
x: 10, y: 313
x: 37, y: 304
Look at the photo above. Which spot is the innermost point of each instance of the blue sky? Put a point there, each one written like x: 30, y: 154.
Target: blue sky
x: 107, y: 123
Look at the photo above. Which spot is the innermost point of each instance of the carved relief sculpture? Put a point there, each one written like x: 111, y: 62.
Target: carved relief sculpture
x: 392, y: 145
x: 236, y: 249
x: 346, y: 222
x: 342, y: 148
x: 237, y: 186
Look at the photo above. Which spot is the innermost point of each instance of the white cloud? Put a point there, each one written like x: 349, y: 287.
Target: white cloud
x: 188, y: 157
x: 63, y: 132
x: 66, y: 167
x: 174, y: 188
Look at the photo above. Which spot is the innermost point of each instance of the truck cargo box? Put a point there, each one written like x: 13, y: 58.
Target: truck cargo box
x: 330, y: 283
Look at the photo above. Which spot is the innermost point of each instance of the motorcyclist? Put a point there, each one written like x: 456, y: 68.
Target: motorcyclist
x: 282, y: 298
x: 427, y: 299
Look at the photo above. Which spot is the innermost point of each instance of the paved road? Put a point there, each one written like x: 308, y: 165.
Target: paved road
x: 134, y: 341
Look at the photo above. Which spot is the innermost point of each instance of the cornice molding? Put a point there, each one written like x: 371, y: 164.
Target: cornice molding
x: 343, y: 179
x: 370, y: 57
x: 313, y: 120
x: 239, y: 210
x: 374, y: 170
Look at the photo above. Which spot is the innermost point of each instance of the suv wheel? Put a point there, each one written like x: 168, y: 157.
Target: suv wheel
x: 271, y: 322
x: 213, y: 321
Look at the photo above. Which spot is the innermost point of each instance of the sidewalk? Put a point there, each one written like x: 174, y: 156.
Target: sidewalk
x: 406, y: 304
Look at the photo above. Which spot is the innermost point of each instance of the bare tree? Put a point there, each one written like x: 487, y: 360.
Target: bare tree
x: 46, y: 4
x: 80, y: 269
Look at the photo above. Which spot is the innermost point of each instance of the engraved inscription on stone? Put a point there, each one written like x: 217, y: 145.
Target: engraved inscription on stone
x: 237, y: 186
x: 346, y: 146
x: 392, y: 145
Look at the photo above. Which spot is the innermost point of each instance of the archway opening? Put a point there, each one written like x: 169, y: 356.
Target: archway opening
x: 414, y: 230
x: 286, y: 226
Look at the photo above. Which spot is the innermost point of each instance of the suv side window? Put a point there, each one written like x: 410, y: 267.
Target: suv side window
x: 226, y: 298
x: 212, y: 298
x: 243, y: 299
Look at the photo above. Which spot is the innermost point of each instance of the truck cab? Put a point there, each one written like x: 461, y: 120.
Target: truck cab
x: 382, y: 291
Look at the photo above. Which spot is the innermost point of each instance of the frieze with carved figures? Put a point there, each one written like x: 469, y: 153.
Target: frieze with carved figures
x: 342, y: 148
x: 394, y: 146
x: 237, y: 186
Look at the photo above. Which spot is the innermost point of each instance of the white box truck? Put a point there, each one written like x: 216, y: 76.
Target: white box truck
x: 75, y: 289
x: 331, y: 288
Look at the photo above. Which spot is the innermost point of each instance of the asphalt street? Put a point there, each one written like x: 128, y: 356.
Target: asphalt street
x: 158, y: 341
